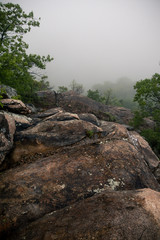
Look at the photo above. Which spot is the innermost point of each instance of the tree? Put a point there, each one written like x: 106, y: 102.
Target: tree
x: 95, y: 95
x: 17, y: 68
x: 105, y: 97
x: 62, y: 89
x: 148, y: 96
x: 76, y: 87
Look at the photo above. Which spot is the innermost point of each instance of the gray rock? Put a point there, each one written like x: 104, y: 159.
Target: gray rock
x: 7, y: 131
x: 32, y: 107
x: 9, y: 92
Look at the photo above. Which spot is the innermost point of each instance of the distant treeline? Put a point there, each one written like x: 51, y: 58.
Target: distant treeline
x: 119, y: 93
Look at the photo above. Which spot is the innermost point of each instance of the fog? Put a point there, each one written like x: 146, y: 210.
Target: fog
x: 93, y: 41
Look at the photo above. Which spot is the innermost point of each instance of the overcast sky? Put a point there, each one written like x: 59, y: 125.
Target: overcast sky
x: 93, y: 41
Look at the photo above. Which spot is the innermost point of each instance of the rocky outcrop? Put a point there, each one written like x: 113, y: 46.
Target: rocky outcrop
x: 78, y: 167
x: 72, y: 175
x: 75, y: 103
x: 130, y: 215
x: 80, y: 104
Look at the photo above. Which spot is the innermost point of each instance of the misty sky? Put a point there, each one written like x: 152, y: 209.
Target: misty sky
x: 93, y: 41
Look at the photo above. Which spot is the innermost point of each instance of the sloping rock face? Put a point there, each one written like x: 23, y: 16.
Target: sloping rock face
x: 110, y: 215
x: 84, y: 173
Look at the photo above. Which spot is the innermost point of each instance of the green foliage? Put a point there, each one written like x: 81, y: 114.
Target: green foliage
x: 17, y: 68
x: 62, y: 89
x: 148, y: 96
x: 2, y: 91
x: 137, y: 121
x: 105, y: 98
x: 153, y: 138
x: 95, y: 95
x: 18, y: 97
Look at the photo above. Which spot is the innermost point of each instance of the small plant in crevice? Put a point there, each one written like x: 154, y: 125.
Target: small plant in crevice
x: 89, y: 133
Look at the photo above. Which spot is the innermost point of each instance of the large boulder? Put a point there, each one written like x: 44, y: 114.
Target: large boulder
x: 130, y: 215
x: 51, y: 133
x: 7, y: 130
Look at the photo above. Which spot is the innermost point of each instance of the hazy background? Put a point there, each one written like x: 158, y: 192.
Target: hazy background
x: 93, y: 41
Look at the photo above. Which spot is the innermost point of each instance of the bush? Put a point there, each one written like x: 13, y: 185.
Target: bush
x: 137, y: 120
